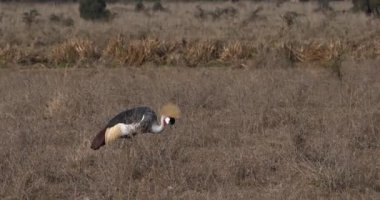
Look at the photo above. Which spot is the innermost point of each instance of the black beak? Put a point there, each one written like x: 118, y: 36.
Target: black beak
x: 172, y: 121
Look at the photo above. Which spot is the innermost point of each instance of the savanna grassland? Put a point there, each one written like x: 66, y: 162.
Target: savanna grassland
x: 278, y: 101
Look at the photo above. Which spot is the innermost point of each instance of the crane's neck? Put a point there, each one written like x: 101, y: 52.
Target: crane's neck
x: 158, y: 127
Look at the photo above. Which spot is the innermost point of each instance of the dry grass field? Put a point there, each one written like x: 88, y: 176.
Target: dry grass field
x: 272, y: 108
x: 186, y: 34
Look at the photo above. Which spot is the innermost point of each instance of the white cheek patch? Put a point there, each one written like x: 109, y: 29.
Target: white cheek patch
x: 167, y: 120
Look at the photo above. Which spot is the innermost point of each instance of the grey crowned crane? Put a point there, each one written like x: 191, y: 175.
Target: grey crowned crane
x: 136, y: 120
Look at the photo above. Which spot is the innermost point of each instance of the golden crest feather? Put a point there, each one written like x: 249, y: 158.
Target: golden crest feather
x: 171, y: 110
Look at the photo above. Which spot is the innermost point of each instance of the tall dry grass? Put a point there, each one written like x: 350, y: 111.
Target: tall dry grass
x: 136, y: 52
x: 74, y: 50
x: 177, y: 37
x: 315, y: 51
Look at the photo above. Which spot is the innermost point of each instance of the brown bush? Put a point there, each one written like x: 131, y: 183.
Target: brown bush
x: 236, y: 50
x: 367, y: 49
x: 315, y: 51
x: 137, y: 52
x: 9, y: 54
x: 201, y: 52
x: 74, y: 50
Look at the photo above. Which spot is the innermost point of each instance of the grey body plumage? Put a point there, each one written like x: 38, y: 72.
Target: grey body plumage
x: 142, y: 115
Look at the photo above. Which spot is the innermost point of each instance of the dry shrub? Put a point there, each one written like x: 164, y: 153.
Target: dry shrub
x: 30, y: 17
x: 218, y: 13
x: 140, y: 51
x: 290, y: 18
x: 191, y: 53
x: 74, y: 50
x: 115, y: 48
x: 157, y: 6
x: 9, y: 54
x: 227, y: 12
x: 137, y: 52
x: 366, y: 49
x: 201, y: 52
x: 174, y: 52
x: 320, y: 51
x: 60, y: 19
x: 254, y: 16
x: 377, y: 47
x: 236, y: 50
x: 200, y: 12
x: 20, y: 55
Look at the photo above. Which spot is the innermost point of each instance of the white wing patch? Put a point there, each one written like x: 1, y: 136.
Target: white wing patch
x: 120, y: 130
x: 128, y: 129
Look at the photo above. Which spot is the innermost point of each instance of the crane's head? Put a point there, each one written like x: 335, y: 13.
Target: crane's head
x: 171, y: 112
x: 169, y: 120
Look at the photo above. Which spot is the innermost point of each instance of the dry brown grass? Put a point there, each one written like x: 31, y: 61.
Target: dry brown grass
x: 202, y: 52
x: 269, y: 133
x: 237, y: 50
x: 74, y: 50
x: 315, y: 51
x: 279, y: 128
x: 368, y: 49
x: 9, y: 54
x: 137, y: 52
